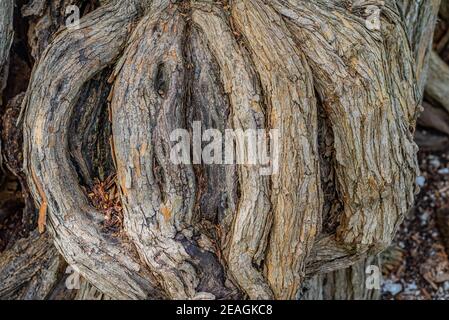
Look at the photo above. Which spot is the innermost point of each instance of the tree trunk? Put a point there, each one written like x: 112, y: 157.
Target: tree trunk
x: 344, y: 284
x: 420, y: 19
x: 350, y: 284
x: 104, y: 101
x: 437, y: 86
x: 6, y: 38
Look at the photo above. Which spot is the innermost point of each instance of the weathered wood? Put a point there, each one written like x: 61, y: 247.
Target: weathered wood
x: 89, y: 292
x: 6, y: 39
x: 49, y: 102
x: 247, y: 65
x: 288, y: 86
x: 45, y: 18
x: 252, y: 220
x: 159, y: 207
x: 30, y: 269
x: 12, y: 143
x: 90, y: 131
x: 434, y: 118
x: 420, y: 19
x: 344, y: 284
x: 437, y: 87
x: 354, y: 108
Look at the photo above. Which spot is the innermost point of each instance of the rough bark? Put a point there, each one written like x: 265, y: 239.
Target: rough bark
x: 437, y: 85
x: 74, y: 221
x: 43, y: 277
x: 344, y: 284
x: 420, y: 19
x: 342, y: 95
x: 30, y: 270
x: 205, y: 232
x: 89, y: 292
x: 434, y: 118
x: 44, y: 18
x: 6, y: 38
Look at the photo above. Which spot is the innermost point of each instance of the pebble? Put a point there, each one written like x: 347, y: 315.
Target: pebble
x: 446, y: 286
x: 421, y: 181
x: 393, y: 288
x: 443, y: 171
x: 411, y: 287
x: 434, y: 162
x: 424, y: 218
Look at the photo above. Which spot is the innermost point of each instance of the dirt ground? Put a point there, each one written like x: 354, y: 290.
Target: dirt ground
x: 416, y: 267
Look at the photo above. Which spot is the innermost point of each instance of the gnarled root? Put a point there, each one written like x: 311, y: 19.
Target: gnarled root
x: 252, y: 65
x: 6, y: 39
x: 73, y: 58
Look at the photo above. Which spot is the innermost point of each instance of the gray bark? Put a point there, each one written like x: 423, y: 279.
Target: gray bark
x: 343, y: 96
x: 344, y: 284
x: 6, y: 39
x: 32, y: 267
x: 30, y: 270
x: 437, y: 86
x: 444, y: 9
x: 420, y: 18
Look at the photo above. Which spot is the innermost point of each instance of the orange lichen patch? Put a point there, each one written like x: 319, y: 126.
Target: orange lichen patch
x: 136, y: 162
x: 105, y: 198
x: 143, y: 149
x: 111, y: 143
x: 372, y: 183
x: 166, y: 212
x: 344, y: 21
x: 165, y: 27
x: 42, y: 219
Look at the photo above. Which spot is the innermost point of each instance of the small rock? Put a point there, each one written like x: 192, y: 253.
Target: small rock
x: 443, y: 171
x: 424, y: 217
x: 410, y: 287
x: 393, y: 288
x: 446, y: 286
x: 434, y: 162
x: 421, y: 181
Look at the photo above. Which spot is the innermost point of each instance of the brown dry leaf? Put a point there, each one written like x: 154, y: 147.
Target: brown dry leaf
x: 105, y: 197
x: 426, y: 294
x: 428, y: 277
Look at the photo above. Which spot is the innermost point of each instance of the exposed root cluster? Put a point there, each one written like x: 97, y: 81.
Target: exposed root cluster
x: 252, y: 65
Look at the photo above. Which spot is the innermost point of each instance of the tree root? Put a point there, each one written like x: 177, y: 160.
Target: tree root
x: 6, y: 39
x: 437, y: 84
x: 198, y: 61
x: 73, y: 58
